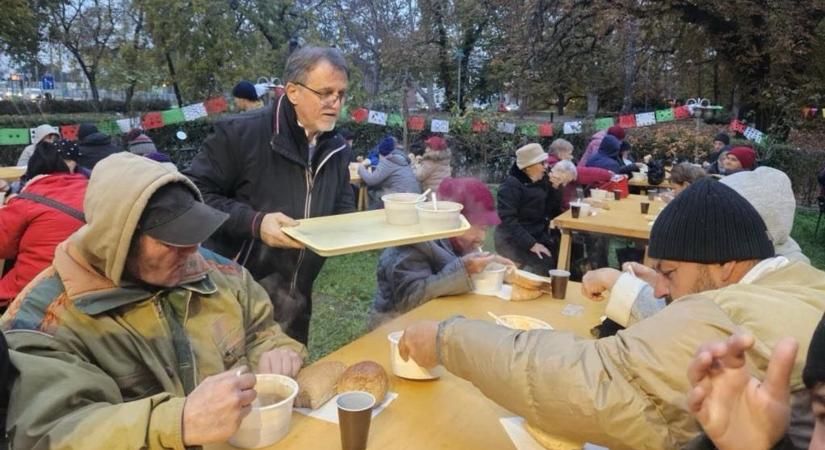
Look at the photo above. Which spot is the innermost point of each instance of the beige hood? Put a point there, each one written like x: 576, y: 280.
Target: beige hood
x: 119, y: 188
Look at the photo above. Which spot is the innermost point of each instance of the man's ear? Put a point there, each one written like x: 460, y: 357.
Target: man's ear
x: 292, y: 93
x: 726, y: 272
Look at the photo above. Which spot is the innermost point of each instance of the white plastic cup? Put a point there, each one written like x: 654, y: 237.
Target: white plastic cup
x: 446, y: 217
x: 269, y: 423
x: 400, y: 208
x: 490, y: 280
x: 408, y: 369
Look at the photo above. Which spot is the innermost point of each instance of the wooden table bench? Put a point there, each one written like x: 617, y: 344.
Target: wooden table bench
x: 448, y: 413
x: 12, y: 173
x: 362, y: 201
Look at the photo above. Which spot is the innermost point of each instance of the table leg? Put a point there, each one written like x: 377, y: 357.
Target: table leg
x: 564, y: 250
x: 362, y: 197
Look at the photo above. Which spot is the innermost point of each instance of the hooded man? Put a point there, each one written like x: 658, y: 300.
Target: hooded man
x: 44, y: 132
x: 596, y: 141
x: 393, y: 173
x: 94, y: 145
x: 411, y: 275
x: 609, y: 158
x: 271, y: 165
x: 715, y: 264
x: 136, y: 337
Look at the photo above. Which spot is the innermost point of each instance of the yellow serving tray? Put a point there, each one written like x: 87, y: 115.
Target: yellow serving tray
x: 361, y: 231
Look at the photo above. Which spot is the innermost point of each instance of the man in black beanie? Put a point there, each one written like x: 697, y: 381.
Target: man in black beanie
x: 721, y: 146
x: 246, y: 96
x: 716, y: 267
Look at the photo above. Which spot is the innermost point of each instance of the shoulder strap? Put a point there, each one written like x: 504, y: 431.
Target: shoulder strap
x: 53, y: 204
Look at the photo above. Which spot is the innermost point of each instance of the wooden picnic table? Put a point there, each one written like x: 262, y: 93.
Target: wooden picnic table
x: 447, y: 413
x: 643, y: 184
x: 623, y: 219
x: 12, y: 173
x: 362, y: 201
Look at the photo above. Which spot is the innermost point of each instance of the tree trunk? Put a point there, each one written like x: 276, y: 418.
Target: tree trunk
x: 560, y: 102
x: 592, y: 103
x: 735, y: 101
x: 715, y: 81
x: 632, y: 31
x: 130, y: 92
x: 171, y: 67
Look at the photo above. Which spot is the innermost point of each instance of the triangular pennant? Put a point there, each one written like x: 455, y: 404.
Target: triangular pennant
x: 360, y: 115
x: 546, y: 129
x: 664, y: 115
x: 109, y: 127
x: 194, y: 111
x: 151, y: 120
x: 216, y: 105
x: 416, y: 123
x: 440, y: 126
x: 14, y: 136
x: 573, y: 127
x: 127, y: 124
x: 69, y: 132
x: 529, y: 129
x: 681, y: 112
x: 645, y: 119
x: 174, y: 115
x: 377, y: 117
x: 506, y: 127
x: 627, y: 121
x: 395, y: 120
x: 480, y: 126
x: 603, y: 123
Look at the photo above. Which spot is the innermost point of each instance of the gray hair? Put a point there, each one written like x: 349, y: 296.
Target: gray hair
x: 565, y: 166
x: 561, y: 145
x: 303, y: 60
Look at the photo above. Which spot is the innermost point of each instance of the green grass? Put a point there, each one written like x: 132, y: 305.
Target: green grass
x: 343, y: 291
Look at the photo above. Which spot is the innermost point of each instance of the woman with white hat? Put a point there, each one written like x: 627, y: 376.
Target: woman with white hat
x: 43, y: 132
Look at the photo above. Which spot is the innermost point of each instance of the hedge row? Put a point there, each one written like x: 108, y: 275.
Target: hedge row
x: 52, y: 106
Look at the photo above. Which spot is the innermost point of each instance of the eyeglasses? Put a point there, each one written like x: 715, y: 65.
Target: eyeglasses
x: 327, y: 99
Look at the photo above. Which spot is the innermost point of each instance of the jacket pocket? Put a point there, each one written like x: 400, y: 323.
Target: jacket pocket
x: 138, y: 385
x: 230, y: 341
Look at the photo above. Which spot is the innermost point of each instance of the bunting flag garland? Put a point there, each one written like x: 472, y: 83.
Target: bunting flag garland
x: 480, y: 126
x: 394, y: 120
x: 603, y: 123
x: 69, y: 132
x: 377, y: 118
x: 194, y: 111
x: 627, y: 121
x: 737, y: 126
x: 31, y: 134
x: 506, y: 127
x: 664, y: 115
x: 645, y: 119
x: 216, y: 105
x: 681, y: 112
x: 752, y: 134
x: 360, y: 115
x: 14, y: 136
x: 109, y: 127
x: 127, y: 124
x: 440, y: 126
x: 573, y: 127
x: 546, y: 129
x: 172, y: 116
x: 151, y: 120
x: 415, y: 123
x: 529, y: 129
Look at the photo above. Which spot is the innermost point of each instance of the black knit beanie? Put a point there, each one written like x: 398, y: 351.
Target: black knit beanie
x: 814, y: 371
x: 709, y: 223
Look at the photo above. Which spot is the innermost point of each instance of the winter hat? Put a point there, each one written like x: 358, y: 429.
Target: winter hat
x: 42, y: 131
x: 745, y: 155
x: 67, y: 149
x: 479, y: 207
x: 386, y: 146
x: 616, y: 131
x: 814, y: 371
x: 530, y: 154
x: 709, y: 223
x: 625, y: 146
x: 436, y: 143
x: 245, y: 89
x: 610, y: 146
x: 723, y: 138
x: 85, y: 130
x: 141, y: 145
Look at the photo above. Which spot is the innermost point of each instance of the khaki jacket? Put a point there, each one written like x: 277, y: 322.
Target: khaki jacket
x: 433, y: 168
x: 102, y: 359
x: 628, y: 391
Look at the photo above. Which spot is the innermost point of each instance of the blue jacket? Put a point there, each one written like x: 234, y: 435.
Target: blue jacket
x: 608, y: 157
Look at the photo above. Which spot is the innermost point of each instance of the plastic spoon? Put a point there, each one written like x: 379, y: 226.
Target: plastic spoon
x: 435, y: 202
x: 497, y: 318
x: 423, y: 196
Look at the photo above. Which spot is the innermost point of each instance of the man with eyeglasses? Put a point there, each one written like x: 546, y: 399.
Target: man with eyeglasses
x: 269, y: 167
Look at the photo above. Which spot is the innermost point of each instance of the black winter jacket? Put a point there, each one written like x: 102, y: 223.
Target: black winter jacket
x: 95, y: 147
x: 526, y: 209
x: 256, y: 163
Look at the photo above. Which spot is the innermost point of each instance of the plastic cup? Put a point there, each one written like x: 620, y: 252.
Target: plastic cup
x: 617, y: 194
x: 558, y: 283
x: 651, y: 194
x: 645, y: 207
x: 354, y: 416
x: 575, y: 210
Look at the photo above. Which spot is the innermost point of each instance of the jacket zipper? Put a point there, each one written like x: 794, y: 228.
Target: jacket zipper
x: 309, y: 177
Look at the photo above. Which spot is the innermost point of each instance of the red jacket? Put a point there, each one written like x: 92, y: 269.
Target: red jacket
x: 30, y: 231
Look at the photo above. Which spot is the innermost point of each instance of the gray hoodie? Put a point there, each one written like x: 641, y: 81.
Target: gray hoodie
x: 392, y: 174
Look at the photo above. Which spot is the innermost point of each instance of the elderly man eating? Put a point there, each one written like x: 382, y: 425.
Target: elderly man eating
x: 136, y: 337
x: 715, y: 265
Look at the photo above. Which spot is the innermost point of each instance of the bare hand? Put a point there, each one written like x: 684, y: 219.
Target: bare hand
x: 476, y: 262
x: 504, y: 261
x: 641, y: 272
x: 419, y: 343
x: 596, y: 282
x: 215, y: 409
x: 359, y: 158
x: 366, y: 162
x: 736, y: 410
x: 539, y: 250
x: 283, y: 361
x: 271, y: 232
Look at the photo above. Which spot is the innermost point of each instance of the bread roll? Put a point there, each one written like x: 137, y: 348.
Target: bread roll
x: 521, y: 293
x: 549, y: 442
x: 366, y: 376
x: 317, y: 383
x: 527, y: 280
